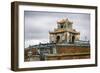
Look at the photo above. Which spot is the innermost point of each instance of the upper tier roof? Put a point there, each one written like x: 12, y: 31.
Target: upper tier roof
x: 62, y: 21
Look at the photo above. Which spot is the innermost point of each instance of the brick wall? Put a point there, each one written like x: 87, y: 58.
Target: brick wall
x: 72, y: 49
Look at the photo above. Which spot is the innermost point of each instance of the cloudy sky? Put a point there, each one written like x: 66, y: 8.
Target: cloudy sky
x: 39, y: 23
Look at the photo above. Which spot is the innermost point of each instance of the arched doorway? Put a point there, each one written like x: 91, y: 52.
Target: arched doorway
x: 66, y: 36
x: 57, y: 39
x: 73, y: 39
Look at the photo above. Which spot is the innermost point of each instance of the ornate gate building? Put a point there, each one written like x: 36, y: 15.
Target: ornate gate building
x: 64, y: 33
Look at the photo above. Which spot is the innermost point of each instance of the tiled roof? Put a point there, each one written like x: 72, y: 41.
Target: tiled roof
x: 62, y: 21
x: 63, y: 30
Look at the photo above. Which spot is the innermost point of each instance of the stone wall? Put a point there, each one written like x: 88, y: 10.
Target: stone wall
x: 73, y: 49
x: 70, y: 52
